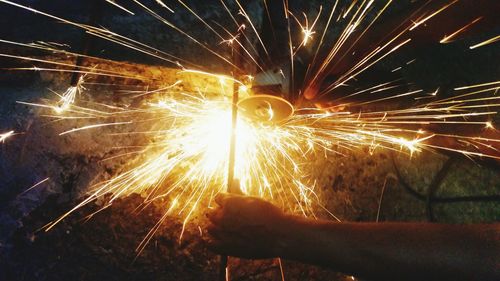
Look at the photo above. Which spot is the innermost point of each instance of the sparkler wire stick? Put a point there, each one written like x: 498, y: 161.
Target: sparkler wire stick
x: 231, y: 187
x: 232, y: 144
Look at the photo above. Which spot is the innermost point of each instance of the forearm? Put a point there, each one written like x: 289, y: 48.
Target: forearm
x: 396, y: 250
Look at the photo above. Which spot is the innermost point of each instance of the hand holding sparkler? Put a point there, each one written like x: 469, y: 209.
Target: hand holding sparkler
x: 250, y: 227
x: 247, y: 227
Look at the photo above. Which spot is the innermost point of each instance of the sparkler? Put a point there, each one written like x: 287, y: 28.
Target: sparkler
x: 186, y: 157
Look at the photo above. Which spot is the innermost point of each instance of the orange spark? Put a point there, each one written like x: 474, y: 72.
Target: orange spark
x: 484, y: 43
x: 420, y: 22
x: 448, y: 38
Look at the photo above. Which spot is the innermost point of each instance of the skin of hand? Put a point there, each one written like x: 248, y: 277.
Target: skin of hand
x: 250, y: 227
x: 246, y: 227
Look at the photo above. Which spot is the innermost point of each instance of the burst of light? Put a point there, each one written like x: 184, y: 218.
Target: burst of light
x: 489, y: 125
x: 308, y: 33
x: 192, y: 152
x: 307, y: 30
x: 69, y: 96
x: 188, y: 157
